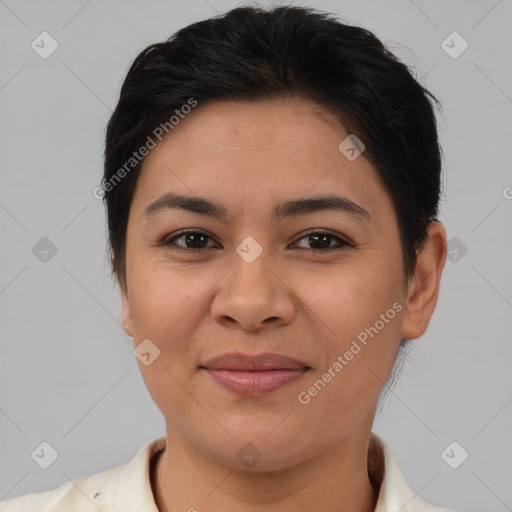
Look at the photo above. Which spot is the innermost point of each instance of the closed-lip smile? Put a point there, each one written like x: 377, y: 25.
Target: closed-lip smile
x: 254, y: 374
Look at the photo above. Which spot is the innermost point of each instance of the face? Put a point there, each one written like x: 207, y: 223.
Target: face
x: 320, y: 284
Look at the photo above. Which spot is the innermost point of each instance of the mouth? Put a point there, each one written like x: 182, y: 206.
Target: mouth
x: 254, y: 375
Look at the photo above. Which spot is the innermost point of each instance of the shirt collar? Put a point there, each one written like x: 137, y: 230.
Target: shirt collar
x: 133, y: 491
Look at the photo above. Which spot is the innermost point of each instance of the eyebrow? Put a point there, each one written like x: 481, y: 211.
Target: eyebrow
x: 289, y: 208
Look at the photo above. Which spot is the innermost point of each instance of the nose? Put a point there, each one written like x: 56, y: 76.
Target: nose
x: 253, y: 296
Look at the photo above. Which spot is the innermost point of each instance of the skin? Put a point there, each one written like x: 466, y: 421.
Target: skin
x: 291, y: 300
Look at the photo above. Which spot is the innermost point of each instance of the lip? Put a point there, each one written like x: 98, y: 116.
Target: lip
x: 253, y: 375
x: 253, y: 362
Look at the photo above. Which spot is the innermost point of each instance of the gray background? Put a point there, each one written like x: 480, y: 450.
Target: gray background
x: 67, y: 371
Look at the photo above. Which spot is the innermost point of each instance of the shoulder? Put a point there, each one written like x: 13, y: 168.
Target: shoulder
x: 83, y: 494
x: 126, y: 487
x: 394, y: 492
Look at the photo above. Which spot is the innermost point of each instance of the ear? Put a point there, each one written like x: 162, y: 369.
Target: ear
x: 423, y: 287
x: 127, y: 314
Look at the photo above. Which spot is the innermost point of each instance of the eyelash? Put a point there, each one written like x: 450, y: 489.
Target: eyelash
x: 342, y: 243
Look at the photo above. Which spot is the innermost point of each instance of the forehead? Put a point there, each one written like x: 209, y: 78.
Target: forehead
x: 267, y: 130
x: 243, y: 153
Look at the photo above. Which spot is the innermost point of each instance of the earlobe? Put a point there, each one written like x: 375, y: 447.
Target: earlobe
x: 423, y: 288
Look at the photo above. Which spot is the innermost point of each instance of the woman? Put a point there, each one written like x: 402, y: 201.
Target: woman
x: 271, y: 182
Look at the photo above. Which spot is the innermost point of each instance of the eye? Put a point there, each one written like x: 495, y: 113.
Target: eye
x: 323, y: 240
x: 194, y: 241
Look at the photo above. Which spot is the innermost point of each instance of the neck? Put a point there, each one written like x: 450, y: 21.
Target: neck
x: 334, y: 481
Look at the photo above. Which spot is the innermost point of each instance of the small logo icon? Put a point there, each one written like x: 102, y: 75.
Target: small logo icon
x: 249, y: 249
x: 45, y: 455
x: 44, y: 45
x: 146, y: 352
x: 454, y: 455
x: 249, y: 455
x: 456, y: 249
x: 454, y: 45
x: 351, y: 147
x: 44, y: 250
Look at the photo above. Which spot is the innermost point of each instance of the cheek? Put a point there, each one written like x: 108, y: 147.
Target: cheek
x: 167, y: 306
x: 166, y: 309
x: 358, y: 315
x: 160, y: 296
x: 348, y: 299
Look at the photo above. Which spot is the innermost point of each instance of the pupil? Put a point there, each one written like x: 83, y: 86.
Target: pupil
x: 325, y: 238
x: 194, y: 237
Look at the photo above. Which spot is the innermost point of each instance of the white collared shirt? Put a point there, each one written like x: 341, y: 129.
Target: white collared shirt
x: 127, y: 488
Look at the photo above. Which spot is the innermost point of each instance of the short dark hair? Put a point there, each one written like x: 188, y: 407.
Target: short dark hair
x: 252, y: 53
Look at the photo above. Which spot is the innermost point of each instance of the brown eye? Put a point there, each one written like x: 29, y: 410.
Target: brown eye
x: 197, y: 241
x: 192, y: 241
x: 321, y: 241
